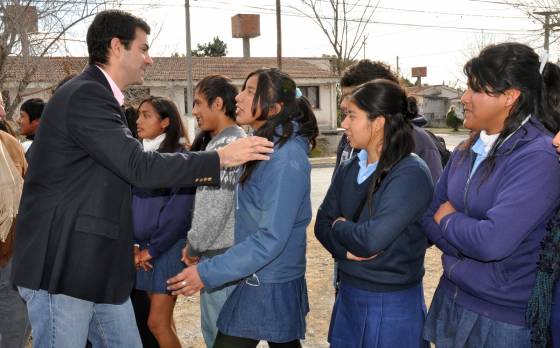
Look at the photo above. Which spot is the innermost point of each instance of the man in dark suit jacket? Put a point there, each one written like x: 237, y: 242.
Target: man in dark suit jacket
x: 73, y: 260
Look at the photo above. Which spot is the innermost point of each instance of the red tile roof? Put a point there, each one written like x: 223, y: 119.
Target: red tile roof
x: 52, y: 69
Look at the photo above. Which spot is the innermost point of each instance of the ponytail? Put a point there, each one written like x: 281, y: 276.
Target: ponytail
x: 549, y: 101
x: 275, y: 86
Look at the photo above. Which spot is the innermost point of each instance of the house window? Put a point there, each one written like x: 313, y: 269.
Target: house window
x: 312, y: 94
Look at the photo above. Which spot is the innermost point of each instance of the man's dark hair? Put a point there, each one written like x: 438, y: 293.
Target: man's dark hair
x: 108, y: 25
x: 364, y: 71
x: 33, y: 107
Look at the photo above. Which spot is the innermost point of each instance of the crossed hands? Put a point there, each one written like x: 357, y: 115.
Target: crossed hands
x: 349, y: 255
x: 142, y: 259
x: 443, y: 210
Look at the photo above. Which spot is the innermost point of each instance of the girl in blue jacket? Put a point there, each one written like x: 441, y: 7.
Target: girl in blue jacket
x: 273, y: 210
x: 492, y: 205
x: 370, y: 222
x: 161, y: 219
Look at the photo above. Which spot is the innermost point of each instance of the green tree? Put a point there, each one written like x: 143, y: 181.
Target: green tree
x: 214, y: 48
x: 452, y: 120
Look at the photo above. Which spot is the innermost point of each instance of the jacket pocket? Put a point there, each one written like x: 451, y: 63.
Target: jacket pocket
x: 97, y: 226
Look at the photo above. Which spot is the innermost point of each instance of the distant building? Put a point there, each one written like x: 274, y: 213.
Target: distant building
x: 435, y: 101
x: 167, y: 77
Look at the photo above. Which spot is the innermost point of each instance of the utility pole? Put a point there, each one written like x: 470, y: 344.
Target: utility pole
x: 278, y: 35
x: 398, y: 68
x: 364, y: 45
x: 189, y: 60
x: 547, y: 26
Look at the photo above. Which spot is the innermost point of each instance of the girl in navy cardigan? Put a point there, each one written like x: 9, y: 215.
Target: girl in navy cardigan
x: 493, y: 203
x: 161, y: 219
x: 370, y: 223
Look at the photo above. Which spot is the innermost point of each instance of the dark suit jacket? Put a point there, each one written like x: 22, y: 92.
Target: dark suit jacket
x: 75, y: 223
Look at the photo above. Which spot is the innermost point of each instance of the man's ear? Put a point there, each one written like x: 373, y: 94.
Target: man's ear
x: 218, y: 104
x: 116, y: 46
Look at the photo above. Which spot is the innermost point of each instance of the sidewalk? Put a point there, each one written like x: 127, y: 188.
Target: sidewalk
x: 322, y: 162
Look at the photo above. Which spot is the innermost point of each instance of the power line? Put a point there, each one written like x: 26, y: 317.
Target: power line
x: 475, y: 29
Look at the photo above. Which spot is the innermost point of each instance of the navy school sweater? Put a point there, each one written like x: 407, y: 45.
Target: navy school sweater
x: 393, y: 228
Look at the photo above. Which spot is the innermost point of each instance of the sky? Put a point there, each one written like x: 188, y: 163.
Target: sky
x: 439, y: 34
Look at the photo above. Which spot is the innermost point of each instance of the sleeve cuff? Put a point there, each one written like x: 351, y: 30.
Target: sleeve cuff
x: 192, y: 251
x: 445, y: 221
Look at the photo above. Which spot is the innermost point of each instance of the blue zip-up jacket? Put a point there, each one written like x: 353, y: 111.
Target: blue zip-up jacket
x: 273, y: 210
x: 491, y: 244
x: 394, y: 228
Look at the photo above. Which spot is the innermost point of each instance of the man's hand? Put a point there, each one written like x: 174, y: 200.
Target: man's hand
x: 186, y: 283
x: 244, y: 150
x: 444, y: 210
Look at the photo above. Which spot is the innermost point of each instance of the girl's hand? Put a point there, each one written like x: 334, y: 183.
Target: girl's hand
x: 444, y: 210
x: 187, y: 259
x: 556, y: 142
x: 352, y: 257
x: 186, y: 283
x: 337, y: 220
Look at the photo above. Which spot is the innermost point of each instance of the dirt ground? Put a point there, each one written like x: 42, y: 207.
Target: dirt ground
x: 321, y: 297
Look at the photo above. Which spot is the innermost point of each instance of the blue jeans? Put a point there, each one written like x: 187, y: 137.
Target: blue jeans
x: 211, y: 303
x: 366, y: 319
x: 14, y: 325
x: 60, y: 321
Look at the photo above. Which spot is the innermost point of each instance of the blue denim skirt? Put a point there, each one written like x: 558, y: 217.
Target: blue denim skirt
x: 272, y: 312
x: 366, y: 319
x: 167, y: 265
x: 449, y: 325
x: 555, y: 320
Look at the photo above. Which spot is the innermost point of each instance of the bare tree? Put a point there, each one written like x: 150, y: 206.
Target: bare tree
x: 32, y: 29
x: 343, y: 22
x: 536, y: 10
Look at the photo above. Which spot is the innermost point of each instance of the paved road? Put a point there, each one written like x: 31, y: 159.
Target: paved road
x: 453, y: 139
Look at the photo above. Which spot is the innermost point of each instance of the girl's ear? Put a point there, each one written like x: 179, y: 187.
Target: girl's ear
x: 512, y: 95
x: 275, y: 109
x: 164, y: 123
x: 378, y: 123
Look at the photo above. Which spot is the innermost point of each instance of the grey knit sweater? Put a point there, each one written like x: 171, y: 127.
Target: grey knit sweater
x: 213, y: 221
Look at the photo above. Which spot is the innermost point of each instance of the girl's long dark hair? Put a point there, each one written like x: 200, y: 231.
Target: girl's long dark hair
x: 384, y: 98
x: 275, y: 86
x: 212, y: 87
x: 505, y: 66
x: 175, y: 131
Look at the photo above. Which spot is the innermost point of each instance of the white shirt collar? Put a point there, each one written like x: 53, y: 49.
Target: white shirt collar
x: 153, y: 144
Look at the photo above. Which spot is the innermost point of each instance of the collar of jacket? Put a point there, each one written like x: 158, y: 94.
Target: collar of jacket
x: 97, y: 75
x: 525, y: 134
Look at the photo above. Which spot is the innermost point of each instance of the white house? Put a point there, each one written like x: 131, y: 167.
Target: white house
x: 435, y: 101
x: 167, y: 77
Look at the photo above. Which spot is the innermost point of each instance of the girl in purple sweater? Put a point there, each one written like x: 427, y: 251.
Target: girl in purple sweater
x: 493, y: 202
x: 161, y: 219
